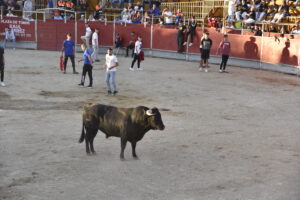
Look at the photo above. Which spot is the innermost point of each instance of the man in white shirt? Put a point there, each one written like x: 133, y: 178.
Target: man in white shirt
x: 95, y: 44
x: 168, y: 16
x: 10, y: 14
x: 9, y: 36
x: 86, y: 38
x: 137, y: 51
x: 111, y: 65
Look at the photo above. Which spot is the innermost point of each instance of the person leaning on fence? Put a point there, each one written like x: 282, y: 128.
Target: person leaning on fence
x: 180, y: 36
x: 69, y: 50
x: 87, y: 36
x: 137, y: 54
x: 178, y: 16
x: 131, y: 44
x: 191, y: 31
x: 87, y: 67
x: 95, y: 43
x: 9, y: 36
x: 111, y: 64
x: 224, y: 50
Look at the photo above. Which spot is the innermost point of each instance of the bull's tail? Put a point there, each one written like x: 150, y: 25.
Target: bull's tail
x: 81, y: 139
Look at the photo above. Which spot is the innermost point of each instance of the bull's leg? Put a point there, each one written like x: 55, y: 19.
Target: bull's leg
x: 88, y: 137
x: 133, y: 145
x: 92, y: 141
x: 123, y: 146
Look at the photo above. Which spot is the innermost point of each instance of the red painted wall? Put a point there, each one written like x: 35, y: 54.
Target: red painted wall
x: 52, y: 33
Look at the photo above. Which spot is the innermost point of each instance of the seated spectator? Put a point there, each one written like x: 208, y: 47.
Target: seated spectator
x: 154, y: 11
x: 29, y: 18
x: 113, y: 3
x: 3, y: 5
x: 20, y: 4
x: 250, y: 17
x: 157, y: 2
x: 146, y: 2
x: 272, y: 29
x: 139, y: 7
x: 168, y: 16
x: 136, y: 18
x: 277, y: 16
x: 231, y: 9
x: 57, y: 16
x: 9, y: 36
x: 102, y: 4
x: 83, y: 5
x: 28, y: 7
x: 124, y: 13
x: 257, y: 31
x: 284, y: 30
x: 262, y: 10
x: 242, y: 10
x: 130, y: 7
x: 11, y: 4
x: 146, y: 19
x: 296, y: 29
x: 296, y: 4
x: 98, y: 13
x: 118, y: 20
x: 61, y: 4
x: 10, y: 14
x: 72, y: 16
x: 178, y: 16
x: 70, y: 5
x: 91, y: 18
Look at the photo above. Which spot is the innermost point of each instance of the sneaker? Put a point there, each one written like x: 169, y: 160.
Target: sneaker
x: 90, y: 87
x: 140, y: 69
x: 64, y: 72
x: 225, y: 71
x: 206, y: 70
x: 2, y: 84
x: 114, y: 93
x: 131, y: 69
x: 80, y: 85
x: 221, y: 71
x: 108, y: 93
x: 191, y: 44
x: 184, y: 43
x: 200, y: 69
x: 75, y: 72
x: 97, y: 60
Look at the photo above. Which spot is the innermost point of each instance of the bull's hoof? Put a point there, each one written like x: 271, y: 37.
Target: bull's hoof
x: 122, y: 158
x: 136, y: 157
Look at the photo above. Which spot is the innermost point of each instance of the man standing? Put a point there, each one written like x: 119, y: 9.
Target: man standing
x: 206, y: 44
x: 131, y: 43
x: 111, y: 65
x: 87, y: 36
x: 2, y: 63
x: 95, y: 44
x: 180, y: 36
x: 87, y: 67
x: 69, y: 49
x: 9, y: 36
x: 225, y: 50
x: 137, y: 51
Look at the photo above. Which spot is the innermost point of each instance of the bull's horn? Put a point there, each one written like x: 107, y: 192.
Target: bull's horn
x: 149, y: 113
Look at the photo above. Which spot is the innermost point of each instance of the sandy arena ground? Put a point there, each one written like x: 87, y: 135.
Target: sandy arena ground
x: 232, y: 136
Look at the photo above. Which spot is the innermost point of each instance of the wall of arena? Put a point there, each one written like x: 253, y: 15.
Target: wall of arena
x: 50, y: 34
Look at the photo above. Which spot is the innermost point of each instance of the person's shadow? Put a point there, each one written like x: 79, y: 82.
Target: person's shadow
x: 251, y: 49
x: 285, y: 55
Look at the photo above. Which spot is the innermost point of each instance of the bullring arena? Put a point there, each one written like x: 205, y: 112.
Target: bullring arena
x: 228, y: 136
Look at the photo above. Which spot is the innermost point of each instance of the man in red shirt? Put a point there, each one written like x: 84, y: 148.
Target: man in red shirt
x: 224, y: 49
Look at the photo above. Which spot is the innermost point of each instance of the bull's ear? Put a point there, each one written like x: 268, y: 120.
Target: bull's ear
x: 149, y: 112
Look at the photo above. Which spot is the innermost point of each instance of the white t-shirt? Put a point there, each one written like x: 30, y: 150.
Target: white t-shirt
x: 95, y: 39
x: 10, y: 35
x: 88, y: 32
x: 110, y: 61
x: 168, y: 17
x: 138, y: 47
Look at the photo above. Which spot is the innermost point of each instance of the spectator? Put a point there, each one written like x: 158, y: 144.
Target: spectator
x: 206, y: 44
x: 95, y: 43
x: 118, y: 20
x: 180, y: 35
x: 154, y: 11
x: 2, y: 63
x: 137, y: 18
x: 242, y: 10
x: 250, y: 16
x: 29, y: 18
x: 91, y: 18
x: 102, y: 4
x: 139, y: 7
x: 98, y: 13
x: 3, y: 5
x: 231, y: 9
x: 118, y: 43
x: 111, y: 64
x: 83, y: 5
x: 261, y: 11
x: 296, y: 29
x: 283, y: 10
x: 72, y: 16
x: 87, y: 36
x: 131, y: 44
x: 272, y: 29
x: 146, y: 18
x: 11, y: 4
x: 10, y: 14
x: 28, y: 7
x: 257, y: 31
x: 61, y: 4
x: 157, y: 3
x: 296, y: 4
x: 87, y: 67
x: 137, y: 52
x: 168, y: 16
x: 192, y: 25
x: 68, y: 49
x: 9, y: 36
x: 57, y: 16
x: 224, y: 49
x: 70, y: 5
x: 114, y: 2
x: 277, y: 16
x: 146, y: 2
x: 178, y: 16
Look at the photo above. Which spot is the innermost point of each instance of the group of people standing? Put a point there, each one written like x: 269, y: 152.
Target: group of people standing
x: 111, y: 61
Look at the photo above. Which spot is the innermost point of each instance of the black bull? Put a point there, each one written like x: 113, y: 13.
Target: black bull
x: 130, y: 124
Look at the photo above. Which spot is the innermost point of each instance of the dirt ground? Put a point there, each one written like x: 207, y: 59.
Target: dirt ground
x: 232, y: 136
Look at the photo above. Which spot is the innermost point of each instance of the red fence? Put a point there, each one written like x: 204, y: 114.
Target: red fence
x: 50, y: 35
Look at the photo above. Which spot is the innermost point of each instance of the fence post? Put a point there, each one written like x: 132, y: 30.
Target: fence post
x: 35, y: 31
x: 261, y: 47
x: 75, y: 31
x: 114, y: 29
x: 65, y: 17
x: 151, y: 36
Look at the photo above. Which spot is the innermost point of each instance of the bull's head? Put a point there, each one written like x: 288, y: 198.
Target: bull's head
x: 154, y: 119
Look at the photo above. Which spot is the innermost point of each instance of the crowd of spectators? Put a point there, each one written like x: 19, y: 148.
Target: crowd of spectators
x: 15, y: 7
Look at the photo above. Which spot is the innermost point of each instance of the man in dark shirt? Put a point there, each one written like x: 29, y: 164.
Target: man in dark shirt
x: 206, y: 44
x: 191, y: 31
x: 2, y: 62
x: 180, y: 35
x: 258, y: 31
x: 132, y: 41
